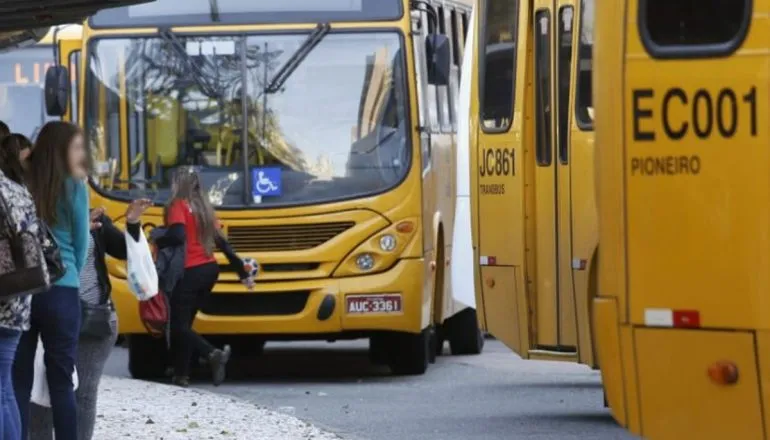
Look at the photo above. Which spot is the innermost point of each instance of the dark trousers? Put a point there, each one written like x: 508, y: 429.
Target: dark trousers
x: 9, y: 415
x: 189, y: 295
x: 56, y: 319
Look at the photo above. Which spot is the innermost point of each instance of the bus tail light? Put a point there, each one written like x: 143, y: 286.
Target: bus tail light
x: 723, y: 373
x: 686, y: 318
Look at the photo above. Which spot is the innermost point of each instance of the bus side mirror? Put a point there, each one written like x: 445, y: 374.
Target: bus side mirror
x: 57, y: 90
x: 439, y: 59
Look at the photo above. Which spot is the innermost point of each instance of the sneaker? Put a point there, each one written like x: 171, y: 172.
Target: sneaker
x: 218, y: 361
x: 181, y: 381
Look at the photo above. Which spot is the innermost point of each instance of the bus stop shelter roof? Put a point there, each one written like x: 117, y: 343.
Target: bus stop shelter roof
x: 16, y: 15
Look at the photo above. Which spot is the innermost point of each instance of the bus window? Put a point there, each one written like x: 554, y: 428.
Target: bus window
x: 74, y: 68
x: 442, y: 92
x: 103, y: 116
x: 499, y: 61
x: 565, y: 69
x: 676, y: 26
x: 456, y: 39
x: 543, y: 87
x: 583, y: 102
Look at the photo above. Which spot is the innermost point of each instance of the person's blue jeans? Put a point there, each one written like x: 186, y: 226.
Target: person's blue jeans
x: 56, y: 319
x: 10, y: 425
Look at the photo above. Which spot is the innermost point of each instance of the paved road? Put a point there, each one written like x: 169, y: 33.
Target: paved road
x: 495, y: 396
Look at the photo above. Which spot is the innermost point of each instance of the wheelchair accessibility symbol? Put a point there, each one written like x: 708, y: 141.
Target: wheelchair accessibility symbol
x: 266, y: 182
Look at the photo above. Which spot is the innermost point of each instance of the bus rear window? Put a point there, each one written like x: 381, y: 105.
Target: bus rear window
x: 693, y: 27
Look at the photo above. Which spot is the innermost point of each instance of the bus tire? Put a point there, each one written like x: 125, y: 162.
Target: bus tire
x: 410, y: 353
x: 440, y: 339
x: 378, y: 349
x: 465, y: 336
x: 247, y: 346
x: 146, y: 357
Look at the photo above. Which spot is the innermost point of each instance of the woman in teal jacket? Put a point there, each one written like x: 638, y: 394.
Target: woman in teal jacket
x: 56, y: 178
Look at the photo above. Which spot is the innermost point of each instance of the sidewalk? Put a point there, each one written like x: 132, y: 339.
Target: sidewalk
x: 131, y: 409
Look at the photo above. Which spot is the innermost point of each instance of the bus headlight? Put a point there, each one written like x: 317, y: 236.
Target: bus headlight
x: 387, y: 243
x: 381, y: 250
x: 365, y: 262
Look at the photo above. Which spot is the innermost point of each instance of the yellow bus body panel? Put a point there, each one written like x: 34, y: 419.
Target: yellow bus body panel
x: 535, y: 231
x: 682, y: 231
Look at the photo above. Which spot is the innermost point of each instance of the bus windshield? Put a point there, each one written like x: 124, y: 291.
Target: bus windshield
x: 163, y: 13
x: 22, y: 74
x: 336, y: 128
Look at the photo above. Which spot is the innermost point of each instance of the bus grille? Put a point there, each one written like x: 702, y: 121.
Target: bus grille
x: 284, y: 237
x: 256, y: 304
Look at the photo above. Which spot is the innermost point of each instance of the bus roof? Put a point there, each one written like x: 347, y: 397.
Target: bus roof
x: 65, y: 31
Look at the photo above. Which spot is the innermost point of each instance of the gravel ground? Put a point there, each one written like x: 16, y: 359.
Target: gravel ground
x: 149, y: 411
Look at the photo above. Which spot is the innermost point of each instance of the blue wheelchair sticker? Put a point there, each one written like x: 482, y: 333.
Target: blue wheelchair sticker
x: 266, y: 182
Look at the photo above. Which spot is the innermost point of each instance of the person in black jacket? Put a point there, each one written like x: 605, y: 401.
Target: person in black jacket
x: 95, y: 289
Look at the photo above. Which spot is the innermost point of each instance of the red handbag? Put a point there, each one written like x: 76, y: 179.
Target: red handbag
x: 154, y: 313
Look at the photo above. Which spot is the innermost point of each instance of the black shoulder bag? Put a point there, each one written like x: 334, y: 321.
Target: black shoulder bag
x: 52, y: 254
x: 95, y: 318
x: 20, y: 274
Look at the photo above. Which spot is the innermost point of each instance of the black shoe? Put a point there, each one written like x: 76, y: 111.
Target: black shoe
x: 181, y: 381
x: 218, y: 361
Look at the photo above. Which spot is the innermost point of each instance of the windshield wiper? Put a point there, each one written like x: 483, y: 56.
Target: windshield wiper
x: 197, y: 74
x: 297, y: 57
x: 214, y: 8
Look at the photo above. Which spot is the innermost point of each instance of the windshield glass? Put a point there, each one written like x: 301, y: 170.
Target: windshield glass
x: 205, y: 12
x: 22, y: 74
x: 335, y: 129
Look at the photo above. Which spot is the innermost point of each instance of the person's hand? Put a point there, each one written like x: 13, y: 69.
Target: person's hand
x: 248, y: 282
x: 95, y: 215
x: 136, y: 209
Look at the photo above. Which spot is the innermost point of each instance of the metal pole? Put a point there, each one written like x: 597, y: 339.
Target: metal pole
x: 245, y: 130
x: 261, y: 151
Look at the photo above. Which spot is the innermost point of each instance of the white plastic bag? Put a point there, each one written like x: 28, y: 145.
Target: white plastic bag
x: 40, y: 395
x: 141, y: 273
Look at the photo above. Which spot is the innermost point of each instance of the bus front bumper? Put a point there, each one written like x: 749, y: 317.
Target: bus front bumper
x: 300, y: 307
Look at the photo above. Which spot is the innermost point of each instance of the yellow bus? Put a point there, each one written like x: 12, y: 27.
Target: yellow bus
x: 22, y: 77
x: 682, y: 323
x: 529, y: 195
x: 325, y: 135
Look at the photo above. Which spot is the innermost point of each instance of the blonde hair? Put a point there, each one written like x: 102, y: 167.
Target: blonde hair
x: 187, y: 187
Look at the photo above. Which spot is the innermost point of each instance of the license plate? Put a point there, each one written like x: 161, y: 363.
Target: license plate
x: 363, y: 304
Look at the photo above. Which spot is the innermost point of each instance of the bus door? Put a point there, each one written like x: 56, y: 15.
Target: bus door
x: 555, y: 313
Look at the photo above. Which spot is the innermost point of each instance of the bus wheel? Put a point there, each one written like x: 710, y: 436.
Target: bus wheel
x: 464, y: 334
x: 146, y: 357
x: 409, y: 353
x: 378, y: 349
x: 247, y: 346
x: 440, y: 339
